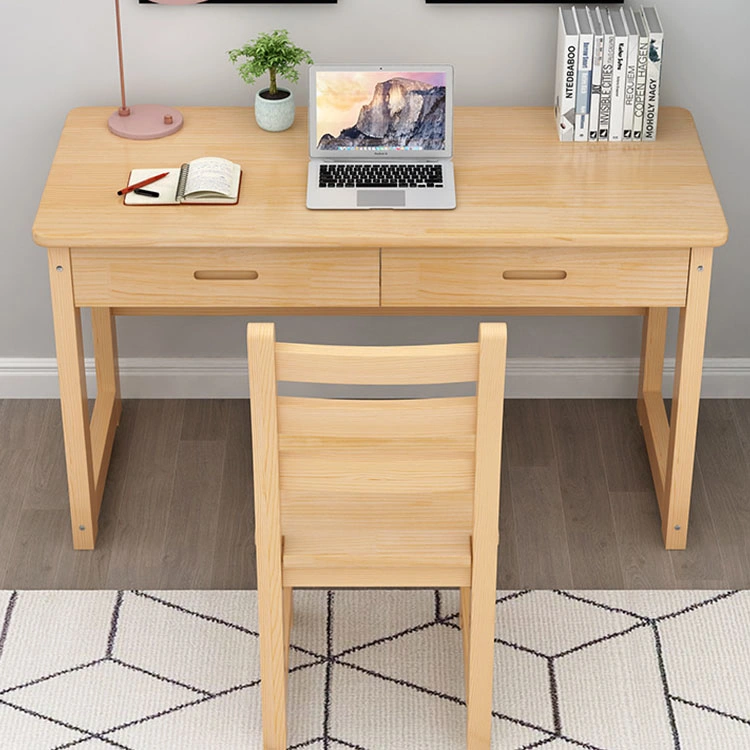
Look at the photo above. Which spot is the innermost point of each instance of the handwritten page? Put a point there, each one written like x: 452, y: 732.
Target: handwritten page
x: 210, y: 174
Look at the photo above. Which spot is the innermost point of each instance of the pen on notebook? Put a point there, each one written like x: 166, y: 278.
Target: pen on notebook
x: 142, y: 183
x: 146, y: 193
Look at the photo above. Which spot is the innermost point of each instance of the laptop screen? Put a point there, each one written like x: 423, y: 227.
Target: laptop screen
x: 371, y: 111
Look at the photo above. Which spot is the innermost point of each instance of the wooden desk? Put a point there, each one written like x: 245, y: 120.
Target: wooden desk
x: 541, y: 228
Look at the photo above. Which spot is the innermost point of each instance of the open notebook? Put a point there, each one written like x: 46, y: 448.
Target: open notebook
x: 206, y: 180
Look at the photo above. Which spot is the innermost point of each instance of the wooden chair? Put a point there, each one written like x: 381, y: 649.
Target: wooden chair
x: 377, y: 493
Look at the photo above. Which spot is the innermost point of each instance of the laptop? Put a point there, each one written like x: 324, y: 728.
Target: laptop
x: 381, y: 136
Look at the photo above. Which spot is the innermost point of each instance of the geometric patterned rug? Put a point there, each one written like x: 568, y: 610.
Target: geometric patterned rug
x: 374, y: 670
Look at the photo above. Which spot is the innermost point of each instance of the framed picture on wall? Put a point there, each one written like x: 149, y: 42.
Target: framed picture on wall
x: 475, y: 2
x: 266, y: 2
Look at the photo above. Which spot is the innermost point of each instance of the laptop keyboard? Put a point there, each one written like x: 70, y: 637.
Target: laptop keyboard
x: 381, y: 176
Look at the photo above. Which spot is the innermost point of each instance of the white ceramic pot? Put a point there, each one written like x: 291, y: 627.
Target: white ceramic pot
x: 274, y: 114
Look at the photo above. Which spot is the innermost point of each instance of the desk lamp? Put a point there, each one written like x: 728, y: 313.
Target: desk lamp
x: 143, y: 121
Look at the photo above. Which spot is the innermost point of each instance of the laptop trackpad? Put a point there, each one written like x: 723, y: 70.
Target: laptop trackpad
x: 381, y: 198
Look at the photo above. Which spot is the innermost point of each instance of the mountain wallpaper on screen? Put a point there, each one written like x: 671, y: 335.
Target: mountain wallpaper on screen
x: 402, y: 113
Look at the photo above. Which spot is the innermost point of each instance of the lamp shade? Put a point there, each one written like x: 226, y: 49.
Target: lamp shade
x: 143, y: 121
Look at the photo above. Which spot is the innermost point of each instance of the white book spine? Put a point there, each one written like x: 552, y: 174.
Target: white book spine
x: 585, y: 64
x: 653, y: 74
x: 617, y: 115
x: 640, y: 80
x: 565, y: 83
x: 631, y: 69
x: 608, y: 62
x: 596, y: 76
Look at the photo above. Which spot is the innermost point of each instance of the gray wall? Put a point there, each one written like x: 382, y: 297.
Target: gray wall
x: 59, y: 54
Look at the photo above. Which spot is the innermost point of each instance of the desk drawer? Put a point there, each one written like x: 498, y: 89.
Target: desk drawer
x: 192, y: 277
x: 533, y: 277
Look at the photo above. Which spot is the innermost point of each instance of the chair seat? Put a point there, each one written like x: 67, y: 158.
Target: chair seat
x: 379, y: 558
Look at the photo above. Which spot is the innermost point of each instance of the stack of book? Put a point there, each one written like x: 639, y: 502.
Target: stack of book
x: 608, y: 74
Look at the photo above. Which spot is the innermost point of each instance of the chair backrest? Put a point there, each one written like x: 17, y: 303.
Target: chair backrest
x: 392, y: 461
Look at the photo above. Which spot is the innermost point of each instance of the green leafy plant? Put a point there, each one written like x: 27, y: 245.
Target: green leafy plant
x: 274, y: 53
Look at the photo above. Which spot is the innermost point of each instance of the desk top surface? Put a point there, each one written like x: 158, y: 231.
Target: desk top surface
x: 517, y: 185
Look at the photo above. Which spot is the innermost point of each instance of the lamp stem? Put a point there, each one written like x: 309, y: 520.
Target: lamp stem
x: 124, y: 109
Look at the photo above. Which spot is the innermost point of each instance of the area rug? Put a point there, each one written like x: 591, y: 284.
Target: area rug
x: 374, y: 670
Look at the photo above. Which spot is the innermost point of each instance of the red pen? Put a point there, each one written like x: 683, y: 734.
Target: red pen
x: 142, y: 183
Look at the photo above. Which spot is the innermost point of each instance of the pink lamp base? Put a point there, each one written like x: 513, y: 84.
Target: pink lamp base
x: 145, y: 122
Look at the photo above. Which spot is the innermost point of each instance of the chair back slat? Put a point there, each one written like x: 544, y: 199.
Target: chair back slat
x: 377, y: 365
x: 405, y: 418
x: 403, y: 467
x: 440, y: 510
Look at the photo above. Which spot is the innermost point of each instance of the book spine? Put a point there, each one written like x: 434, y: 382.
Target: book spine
x: 583, y: 95
x: 617, y: 115
x: 640, y: 88
x: 596, y: 84
x: 565, y: 84
x: 605, y: 104
x: 631, y: 69
x: 653, y: 84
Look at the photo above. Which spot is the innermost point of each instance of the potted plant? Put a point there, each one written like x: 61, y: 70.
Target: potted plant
x: 275, y: 53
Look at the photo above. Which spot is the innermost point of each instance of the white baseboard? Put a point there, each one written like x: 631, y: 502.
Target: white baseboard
x: 227, y: 378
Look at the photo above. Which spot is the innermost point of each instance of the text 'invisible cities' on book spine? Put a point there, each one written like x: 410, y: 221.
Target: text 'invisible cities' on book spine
x: 608, y: 64
x: 596, y: 76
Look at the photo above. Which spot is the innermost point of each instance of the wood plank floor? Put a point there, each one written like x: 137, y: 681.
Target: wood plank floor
x: 577, y: 507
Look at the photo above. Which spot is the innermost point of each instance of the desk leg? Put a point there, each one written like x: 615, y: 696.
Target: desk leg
x: 108, y: 406
x: 671, y: 447
x: 84, y: 504
x: 652, y: 350
x: 686, y: 400
x: 651, y: 412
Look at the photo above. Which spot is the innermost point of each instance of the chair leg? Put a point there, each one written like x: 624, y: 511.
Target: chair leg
x: 481, y: 662
x: 464, y: 619
x: 273, y: 665
x: 288, y: 619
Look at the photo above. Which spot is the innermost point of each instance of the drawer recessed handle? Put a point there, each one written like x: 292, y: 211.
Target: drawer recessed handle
x: 541, y: 275
x: 225, y: 275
